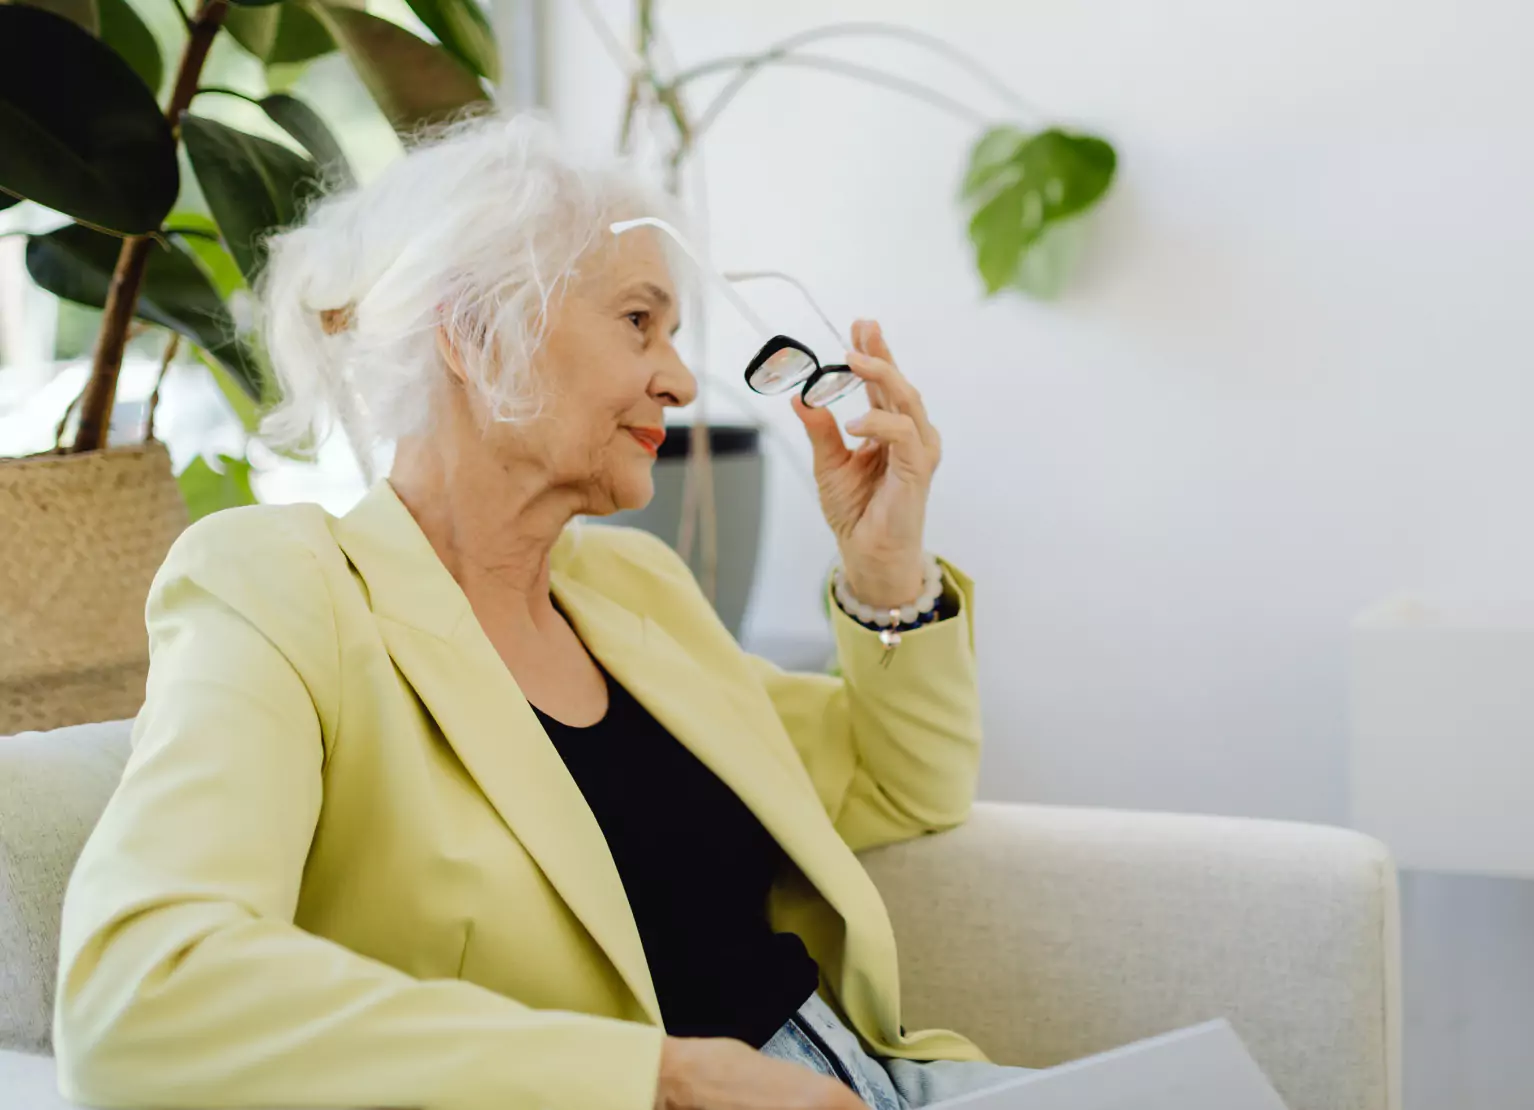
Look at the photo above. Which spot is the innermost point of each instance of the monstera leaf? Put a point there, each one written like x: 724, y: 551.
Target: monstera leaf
x: 93, y: 144
x: 1023, y: 187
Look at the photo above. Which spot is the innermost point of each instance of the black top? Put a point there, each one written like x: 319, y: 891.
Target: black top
x: 696, y: 865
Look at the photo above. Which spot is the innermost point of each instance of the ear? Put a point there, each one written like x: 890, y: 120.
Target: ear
x: 449, y: 355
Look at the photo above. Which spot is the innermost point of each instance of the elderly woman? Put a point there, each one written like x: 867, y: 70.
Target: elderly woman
x: 449, y: 802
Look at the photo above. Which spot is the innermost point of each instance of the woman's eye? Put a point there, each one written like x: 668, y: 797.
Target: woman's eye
x: 639, y: 319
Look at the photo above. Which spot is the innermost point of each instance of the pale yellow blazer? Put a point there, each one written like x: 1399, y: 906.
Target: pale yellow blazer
x: 346, y: 867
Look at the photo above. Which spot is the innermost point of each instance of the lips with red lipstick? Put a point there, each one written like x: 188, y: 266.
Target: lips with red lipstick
x: 648, y: 438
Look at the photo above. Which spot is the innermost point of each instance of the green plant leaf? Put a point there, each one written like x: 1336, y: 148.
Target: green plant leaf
x: 300, y: 37
x: 279, y: 34
x: 1000, y: 238
x: 206, y: 490
x: 304, y: 124
x: 76, y: 263
x: 1076, y: 170
x: 199, y: 235
x: 93, y: 143
x: 1047, y: 265
x: 244, y: 409
x: 254, y: 28
x: 252, y: 186
x: 1021, y: 186
x: 991, y: 155
x: 463, y: 30
x: 82, y: 13
x: 125, y: 32
x: 413, y: 82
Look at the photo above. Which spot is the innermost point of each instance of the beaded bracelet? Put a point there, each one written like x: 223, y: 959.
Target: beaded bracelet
x: 890, y: 623
x: 895, y: 617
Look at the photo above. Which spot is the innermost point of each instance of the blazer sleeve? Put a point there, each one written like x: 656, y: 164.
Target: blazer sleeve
x: 183, y: 978
x: 893, y: 751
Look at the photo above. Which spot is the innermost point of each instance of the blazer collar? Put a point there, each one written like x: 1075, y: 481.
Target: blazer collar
x: 436, y: 641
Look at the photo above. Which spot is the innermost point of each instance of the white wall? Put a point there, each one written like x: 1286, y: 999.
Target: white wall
x: 1292, y: 378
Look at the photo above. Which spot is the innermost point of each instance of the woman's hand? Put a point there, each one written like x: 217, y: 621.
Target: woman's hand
x: 717, y: 1073
x: 875, y: 497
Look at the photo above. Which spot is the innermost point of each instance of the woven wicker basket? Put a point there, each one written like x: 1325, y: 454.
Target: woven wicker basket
x: 81, y: 537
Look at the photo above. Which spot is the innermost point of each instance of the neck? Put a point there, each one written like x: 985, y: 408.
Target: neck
x: 494, y: 528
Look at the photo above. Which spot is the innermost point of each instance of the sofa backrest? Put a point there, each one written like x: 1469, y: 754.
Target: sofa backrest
x: 53, y: 787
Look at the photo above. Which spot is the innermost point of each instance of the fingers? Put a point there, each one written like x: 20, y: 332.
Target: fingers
x: 868, y: 337
x: 901, y: 434
x: 887, y: 384
x: 888, y: 390
x: 873, y: 353
x: 825, y: 437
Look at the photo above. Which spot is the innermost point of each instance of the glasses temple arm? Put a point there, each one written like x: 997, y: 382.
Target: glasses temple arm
x: 779, y: 275
x: 717, y: 279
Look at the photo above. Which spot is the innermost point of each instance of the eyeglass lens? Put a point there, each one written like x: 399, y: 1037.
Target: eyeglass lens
x: 782, y: 370
x: 834, y: 383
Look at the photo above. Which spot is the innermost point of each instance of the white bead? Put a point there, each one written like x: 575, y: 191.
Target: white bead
x: 932, y: 590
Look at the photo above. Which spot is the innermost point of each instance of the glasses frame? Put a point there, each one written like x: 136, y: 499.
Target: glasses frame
x: 772, y: 341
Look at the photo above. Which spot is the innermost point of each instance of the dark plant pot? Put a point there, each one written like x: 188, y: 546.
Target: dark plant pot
x: 738, y: 493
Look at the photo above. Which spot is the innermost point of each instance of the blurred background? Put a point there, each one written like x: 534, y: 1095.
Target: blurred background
x: 1243, y: 477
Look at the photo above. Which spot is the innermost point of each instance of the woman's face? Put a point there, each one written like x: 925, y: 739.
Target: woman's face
x: 607, y: 371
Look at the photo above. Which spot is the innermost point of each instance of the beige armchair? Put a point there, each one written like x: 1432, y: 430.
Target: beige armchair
x: 1045, y: 934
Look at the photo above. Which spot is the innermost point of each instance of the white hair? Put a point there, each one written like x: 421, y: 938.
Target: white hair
x: 477, y: 230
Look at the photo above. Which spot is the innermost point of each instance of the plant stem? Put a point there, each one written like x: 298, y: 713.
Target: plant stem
x: 154, y: 398
x: 643, y: 22
x: 630, y: 106
x: 846, y: 69
x: 968, y: 62
x: 128, y: 276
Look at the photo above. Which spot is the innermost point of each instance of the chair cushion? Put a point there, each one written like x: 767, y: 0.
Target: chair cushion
x: 53, y: 787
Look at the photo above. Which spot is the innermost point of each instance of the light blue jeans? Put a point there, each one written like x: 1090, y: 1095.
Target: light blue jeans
x: 816, y: 1038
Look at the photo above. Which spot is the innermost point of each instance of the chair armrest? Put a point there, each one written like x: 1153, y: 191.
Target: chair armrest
x: 1047, y: 934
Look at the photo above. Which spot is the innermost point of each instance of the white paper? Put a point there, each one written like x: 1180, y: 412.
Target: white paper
x: 1203, y: 1067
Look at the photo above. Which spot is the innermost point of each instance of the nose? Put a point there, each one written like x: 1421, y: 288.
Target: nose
x: 674, y: 385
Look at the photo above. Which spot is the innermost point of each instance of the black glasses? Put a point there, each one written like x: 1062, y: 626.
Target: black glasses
x: 782, y: 363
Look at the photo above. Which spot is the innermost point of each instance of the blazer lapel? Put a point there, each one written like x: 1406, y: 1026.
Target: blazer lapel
x: 684, y: 697
x: 437, y: 643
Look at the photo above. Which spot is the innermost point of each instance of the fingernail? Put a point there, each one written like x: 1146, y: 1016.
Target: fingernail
x: 855, y: 424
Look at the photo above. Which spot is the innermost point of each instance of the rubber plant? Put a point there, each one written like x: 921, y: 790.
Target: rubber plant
x: 83, y: 132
